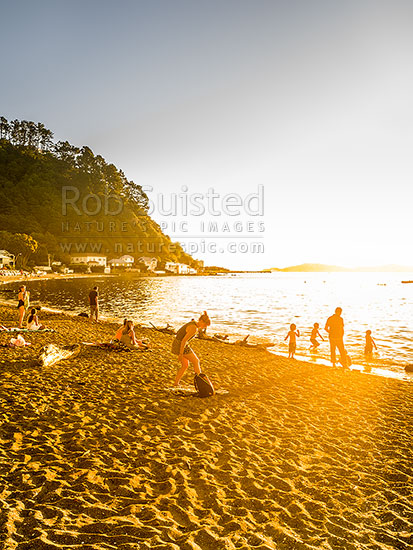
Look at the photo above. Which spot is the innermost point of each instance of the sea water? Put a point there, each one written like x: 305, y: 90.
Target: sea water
x: 261, y: 305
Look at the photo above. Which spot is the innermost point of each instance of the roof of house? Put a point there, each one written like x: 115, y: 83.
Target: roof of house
x: 87, y: 255
x: 147, y: 258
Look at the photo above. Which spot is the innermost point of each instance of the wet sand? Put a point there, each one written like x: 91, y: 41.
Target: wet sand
x: 96, y: 453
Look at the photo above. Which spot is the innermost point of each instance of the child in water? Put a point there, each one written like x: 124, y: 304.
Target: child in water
x: 370, y: 344
x: 313, y: 339
x: 292, y: 335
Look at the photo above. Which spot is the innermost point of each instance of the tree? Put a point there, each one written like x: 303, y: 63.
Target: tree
x: 15, y: 131
x: 45, y: 137
x: 31, y: 134
x: 22, y: 246
x: 34, y: 173
x: 4, y: 128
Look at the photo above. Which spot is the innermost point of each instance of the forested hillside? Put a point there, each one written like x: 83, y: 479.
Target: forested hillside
x: 68, y: 200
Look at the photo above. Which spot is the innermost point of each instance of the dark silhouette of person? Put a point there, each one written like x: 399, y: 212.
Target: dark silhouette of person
x: 335, y: 328
x: 94, y: 303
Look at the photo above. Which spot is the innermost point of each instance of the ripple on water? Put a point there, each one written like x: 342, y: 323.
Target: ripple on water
x: 263, y: 306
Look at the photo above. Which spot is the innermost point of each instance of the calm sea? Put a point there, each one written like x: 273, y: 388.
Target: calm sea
x: 260, y: 305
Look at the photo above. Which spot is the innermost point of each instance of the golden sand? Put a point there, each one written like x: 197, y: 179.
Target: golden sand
x: 97, y: 454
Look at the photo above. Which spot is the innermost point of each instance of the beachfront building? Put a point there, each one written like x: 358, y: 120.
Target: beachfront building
x: 7, y: 259
x: 179, y: 269
x: 124, y: 261
x: 150, y: 263
x: 92, y: 260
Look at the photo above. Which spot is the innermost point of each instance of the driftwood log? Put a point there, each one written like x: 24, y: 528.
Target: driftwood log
x: 51, y: 354
x: 166, y: 330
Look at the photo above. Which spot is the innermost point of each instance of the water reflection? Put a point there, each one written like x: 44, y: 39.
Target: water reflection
x: 260, y: 305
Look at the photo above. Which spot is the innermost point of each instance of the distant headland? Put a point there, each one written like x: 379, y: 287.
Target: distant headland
x: 335, y: 268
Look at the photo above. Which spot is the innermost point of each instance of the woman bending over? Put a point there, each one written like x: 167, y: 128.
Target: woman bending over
x: 181, y: 348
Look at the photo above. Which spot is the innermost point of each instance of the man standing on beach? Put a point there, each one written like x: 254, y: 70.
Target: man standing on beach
x: 335, y: 328
x: 93, y: 302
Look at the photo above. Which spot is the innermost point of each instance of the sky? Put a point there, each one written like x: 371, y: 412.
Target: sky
x: 298, y: 113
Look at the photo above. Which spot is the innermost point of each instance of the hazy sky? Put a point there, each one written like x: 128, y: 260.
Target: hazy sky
x: 310, y: 99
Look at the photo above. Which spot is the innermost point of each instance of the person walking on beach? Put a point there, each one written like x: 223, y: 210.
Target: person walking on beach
x: 335, y: 328
x: 21, y: 305
x: 370, y: 344
x: 313, y: 339
x: 181, y: 348
x: 94, y: 303
x: 292, y: 335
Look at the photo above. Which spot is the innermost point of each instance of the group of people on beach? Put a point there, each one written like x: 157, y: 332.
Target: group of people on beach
x: 180, y: 346
x: 335, y: 328
x: 126, y: 334
x: 23, y: 305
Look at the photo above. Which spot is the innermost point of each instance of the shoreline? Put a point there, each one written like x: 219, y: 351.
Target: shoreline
x: 365, y: 369
x: 96, y: 451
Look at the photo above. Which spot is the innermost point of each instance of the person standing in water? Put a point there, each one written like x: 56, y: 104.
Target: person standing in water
x: 370, y: 344
x: 335, y: 328
x: 181, y: 348
x: 313, y: 339
x: 292, y: 335
x: 94, y: 303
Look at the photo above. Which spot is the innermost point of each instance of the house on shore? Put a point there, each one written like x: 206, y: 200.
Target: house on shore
x: 91, y: 260
x: 124, y: 261
x: 179, y: 269
x: 7, y: 259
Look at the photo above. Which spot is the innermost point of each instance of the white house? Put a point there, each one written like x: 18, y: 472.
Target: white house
x: 6, y: 258
x: 123, y: 261
x: 89, y: 259
x: 179, y: 269
x: 150, y: 263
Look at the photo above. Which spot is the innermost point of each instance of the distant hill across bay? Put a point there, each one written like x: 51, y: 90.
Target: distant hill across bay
x: 335, y: 268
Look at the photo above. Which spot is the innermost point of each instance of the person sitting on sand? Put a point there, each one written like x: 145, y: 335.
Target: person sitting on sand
x: 118, y: 334
x: 21, y: 304
x: 128, y: 337
x: 313, y: 339
x: 292, y: 335
x: 370, y: 344
x: 33, y: 321
x: 181, y: 348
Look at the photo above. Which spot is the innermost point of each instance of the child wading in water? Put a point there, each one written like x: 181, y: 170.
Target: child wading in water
x: 292, y: 335
x: 181, y: 348
x: 370, y: 344
x: 313, y: 339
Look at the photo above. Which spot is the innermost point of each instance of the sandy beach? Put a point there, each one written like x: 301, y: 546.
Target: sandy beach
x: 96, y: 453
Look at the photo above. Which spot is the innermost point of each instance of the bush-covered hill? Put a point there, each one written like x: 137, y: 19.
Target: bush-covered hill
x: 71, y: 201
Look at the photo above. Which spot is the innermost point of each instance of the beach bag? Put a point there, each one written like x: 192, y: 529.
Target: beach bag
x: 203, y: 385
x: 18, y: 342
